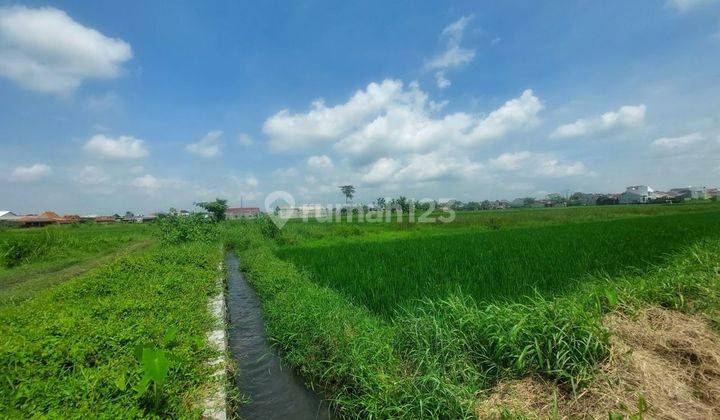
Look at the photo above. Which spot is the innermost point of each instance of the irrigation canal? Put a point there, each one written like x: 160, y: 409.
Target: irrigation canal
x: 274, y: 390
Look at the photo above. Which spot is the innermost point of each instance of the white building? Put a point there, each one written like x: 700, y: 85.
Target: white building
x: 305, y: 211
x: 699, y: 193
x: 8, y: 215
x: 637, y: 194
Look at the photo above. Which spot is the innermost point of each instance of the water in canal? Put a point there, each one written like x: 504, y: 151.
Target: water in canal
x: 274, y: 390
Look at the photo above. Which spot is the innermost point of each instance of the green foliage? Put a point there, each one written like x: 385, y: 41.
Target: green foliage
x: 22, y: 247
x: 69, y: 352
x: 348, y: 191
x: 268, y: 228
x: 177, y: 229
x: 429, y: 357
x: 155, y: 367
x: 503, y: 264
x: 217, y: 208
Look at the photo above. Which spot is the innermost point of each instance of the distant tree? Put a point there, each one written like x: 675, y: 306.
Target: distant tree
x: 403, y: 203
x: 129, y: 215
x: 485, y: 205
x: 380, y: 203
x: 348, y: 191
x: 217, y: 208
x: 528, y: 201
x: 606, y: 200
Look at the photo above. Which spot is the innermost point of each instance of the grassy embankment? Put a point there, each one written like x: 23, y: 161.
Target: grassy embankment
x: 33, y: 259
x: 126, y: 339
x: 436, y: 356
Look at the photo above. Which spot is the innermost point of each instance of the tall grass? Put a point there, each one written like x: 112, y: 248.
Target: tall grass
x: 495, y: 265
x: 435, y: 358
x: 17, y: 250
x: 20, y: 247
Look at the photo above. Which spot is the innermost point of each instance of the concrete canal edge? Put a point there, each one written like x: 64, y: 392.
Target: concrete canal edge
x: 215, y: 403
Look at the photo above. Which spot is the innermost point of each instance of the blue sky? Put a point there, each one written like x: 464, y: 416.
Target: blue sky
x: 114, y: 106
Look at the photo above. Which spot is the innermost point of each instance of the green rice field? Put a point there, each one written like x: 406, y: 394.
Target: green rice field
x: 422, y: 320
x: 500, y: 264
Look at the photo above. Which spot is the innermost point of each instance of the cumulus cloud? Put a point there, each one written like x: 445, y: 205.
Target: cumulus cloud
x: 453, y: 55
x: 289, y: 131
x: 678, y: 143
x: 208, y: 146
x: 418, y: 168
x: 389, y: 117
x: 252, y: 181
x: 628, y: 116
x: 536, y: 164
x: 320, y: 162
x: 31, y: 173
x: 686, y: 5
x: 123, y: 147
x: 45, y: 50
x: 381, y: 170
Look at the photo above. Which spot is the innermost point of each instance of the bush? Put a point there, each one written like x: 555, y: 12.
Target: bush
x: 268, y: 228
x: 181, y: 229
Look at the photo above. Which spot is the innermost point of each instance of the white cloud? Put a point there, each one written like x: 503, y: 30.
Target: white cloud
x: 244, y: 139
x: 453, y: 55
x: 629, y: 116
x: 387, y: 117
x: 686, y: 5
x: 322, y: 124
x: 510, y: 161
x: 441, y: 81
x: 381, y: 171
x: 536, y: 164
x: 124, y: 147
x: 208, y: 146
x: 252, y: 181
x: 320, y: 162
x: 147, y: 182
x: 92, y: 175
x: 31, y: 173
x: 418, y: 168
x: 45, y: 50
x: 678, y: 143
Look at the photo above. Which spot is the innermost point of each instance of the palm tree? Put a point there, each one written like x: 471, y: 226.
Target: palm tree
x: 348, y: 191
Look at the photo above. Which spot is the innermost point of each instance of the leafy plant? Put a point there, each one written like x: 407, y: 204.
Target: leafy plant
x: 155, y: 365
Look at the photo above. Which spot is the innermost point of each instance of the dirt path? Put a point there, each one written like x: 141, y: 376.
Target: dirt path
x: 26, y: 284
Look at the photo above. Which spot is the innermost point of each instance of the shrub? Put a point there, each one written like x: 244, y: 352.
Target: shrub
x: 181, y: 229
x: 268, y: 228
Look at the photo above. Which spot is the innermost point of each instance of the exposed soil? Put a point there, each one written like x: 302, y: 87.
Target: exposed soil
x: 663, y: 364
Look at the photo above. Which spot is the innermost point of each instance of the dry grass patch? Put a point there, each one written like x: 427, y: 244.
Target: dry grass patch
x: 664, y: 364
